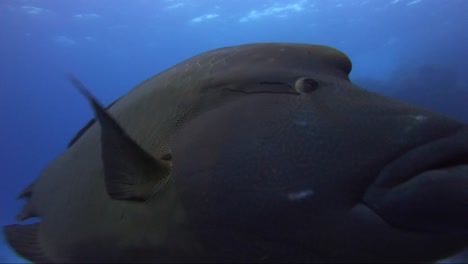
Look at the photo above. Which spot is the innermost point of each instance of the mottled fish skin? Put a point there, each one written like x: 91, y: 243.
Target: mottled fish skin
x: 263, y: 152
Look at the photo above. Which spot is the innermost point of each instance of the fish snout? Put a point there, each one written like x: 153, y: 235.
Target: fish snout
x: 426, y: 189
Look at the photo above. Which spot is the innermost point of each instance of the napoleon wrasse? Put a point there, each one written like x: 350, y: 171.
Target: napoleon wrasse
x: 264, y: 152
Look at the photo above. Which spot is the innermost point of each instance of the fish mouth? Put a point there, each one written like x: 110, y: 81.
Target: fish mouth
x: 444, y: 153
x: 425, y: 189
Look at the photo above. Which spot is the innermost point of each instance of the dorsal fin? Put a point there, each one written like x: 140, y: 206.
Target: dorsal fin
x: 130, y: 172
x: 27, y: 192
x: 27, y: 212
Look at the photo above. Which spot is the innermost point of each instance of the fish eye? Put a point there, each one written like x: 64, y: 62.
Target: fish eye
x: 306, y: 85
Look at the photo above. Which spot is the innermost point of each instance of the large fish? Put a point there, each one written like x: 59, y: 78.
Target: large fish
x: 254, y: 153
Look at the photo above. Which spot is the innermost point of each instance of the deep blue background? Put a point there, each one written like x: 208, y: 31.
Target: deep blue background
x: 413, y: 50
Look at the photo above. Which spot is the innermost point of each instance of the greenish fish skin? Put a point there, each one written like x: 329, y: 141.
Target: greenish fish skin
x: 263, y: 152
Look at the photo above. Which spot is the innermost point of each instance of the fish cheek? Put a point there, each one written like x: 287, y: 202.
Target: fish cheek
x: 233, y: 178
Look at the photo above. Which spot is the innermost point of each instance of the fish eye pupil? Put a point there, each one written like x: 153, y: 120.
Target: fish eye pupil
x: 306, y: 85
x: 310, y: 82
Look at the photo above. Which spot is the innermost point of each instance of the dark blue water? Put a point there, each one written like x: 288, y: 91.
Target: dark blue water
x: 415, y: 50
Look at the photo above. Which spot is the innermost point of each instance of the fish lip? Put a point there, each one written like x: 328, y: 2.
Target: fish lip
x: 422, y: 190
x: 445, y: 152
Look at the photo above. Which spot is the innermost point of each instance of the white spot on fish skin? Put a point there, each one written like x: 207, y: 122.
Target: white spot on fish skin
x: 420, y: 117
x: 299, y: 196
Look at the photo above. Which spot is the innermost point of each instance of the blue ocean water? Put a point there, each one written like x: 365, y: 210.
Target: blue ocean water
x: 415, y: 50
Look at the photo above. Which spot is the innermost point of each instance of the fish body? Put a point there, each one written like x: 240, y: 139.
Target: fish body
x: 262, y: 152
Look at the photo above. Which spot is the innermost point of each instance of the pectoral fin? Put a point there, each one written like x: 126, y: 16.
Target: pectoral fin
x: 130, y: 172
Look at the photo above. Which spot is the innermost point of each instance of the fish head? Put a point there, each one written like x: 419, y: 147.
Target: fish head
x: 302, y: 161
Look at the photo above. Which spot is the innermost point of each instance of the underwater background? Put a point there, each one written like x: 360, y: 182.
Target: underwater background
x: 414, y: 50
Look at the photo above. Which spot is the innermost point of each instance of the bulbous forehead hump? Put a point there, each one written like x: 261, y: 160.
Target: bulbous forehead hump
x: 316, y: 58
